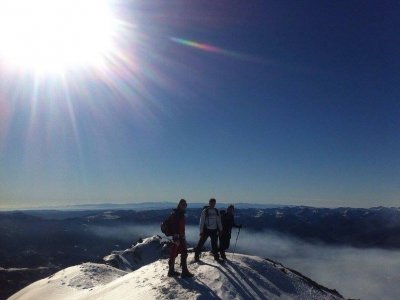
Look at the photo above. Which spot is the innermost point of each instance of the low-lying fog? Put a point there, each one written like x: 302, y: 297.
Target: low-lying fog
x: 355, y: 273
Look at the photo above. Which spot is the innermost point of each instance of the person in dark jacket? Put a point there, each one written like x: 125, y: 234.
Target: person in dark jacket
x: 228, y: 222
x: 179, y: 242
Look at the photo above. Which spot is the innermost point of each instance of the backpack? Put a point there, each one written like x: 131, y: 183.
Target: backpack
x: 167, y: 226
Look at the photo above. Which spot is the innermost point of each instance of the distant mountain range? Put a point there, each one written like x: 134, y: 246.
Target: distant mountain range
x: 140, y: 206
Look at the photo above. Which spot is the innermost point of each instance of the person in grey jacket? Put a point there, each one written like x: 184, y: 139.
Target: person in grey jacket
x: 210, y: 226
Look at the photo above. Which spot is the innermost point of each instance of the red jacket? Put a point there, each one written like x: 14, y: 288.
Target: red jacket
x: 180, y: 223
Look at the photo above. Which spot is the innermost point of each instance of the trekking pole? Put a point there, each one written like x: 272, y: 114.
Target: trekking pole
x: 234, y: 248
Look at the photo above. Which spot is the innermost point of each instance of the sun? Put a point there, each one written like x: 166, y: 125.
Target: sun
x: 56, y: 35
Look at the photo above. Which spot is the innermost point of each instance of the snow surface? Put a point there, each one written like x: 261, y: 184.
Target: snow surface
x: 243, y: 277
x: 142, y: 253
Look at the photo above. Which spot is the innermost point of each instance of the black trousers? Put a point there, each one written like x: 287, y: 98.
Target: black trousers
x: 224, y: 242
x: 213, y: 234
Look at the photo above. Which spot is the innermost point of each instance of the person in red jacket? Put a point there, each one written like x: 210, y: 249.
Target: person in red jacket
x: 179, y: 242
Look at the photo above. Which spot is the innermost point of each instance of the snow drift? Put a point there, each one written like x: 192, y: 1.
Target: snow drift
x: 243, y: 277
x: 142, y: 253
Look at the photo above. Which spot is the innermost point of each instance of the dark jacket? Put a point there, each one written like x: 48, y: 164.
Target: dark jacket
x: 228, y: 222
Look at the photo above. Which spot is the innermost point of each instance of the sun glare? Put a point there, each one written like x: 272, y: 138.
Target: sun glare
x: 56, y: 35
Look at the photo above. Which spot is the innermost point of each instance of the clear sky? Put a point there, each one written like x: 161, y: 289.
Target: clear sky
x: 288, y: 102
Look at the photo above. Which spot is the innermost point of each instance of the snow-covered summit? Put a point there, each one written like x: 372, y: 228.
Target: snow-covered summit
x: 243, y: 277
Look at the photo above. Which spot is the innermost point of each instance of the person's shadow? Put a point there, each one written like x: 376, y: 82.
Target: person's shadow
x: 198, y: 286
x: 244, y: 287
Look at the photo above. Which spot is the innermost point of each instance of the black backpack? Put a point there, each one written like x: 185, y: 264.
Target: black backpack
x: 168, y: 225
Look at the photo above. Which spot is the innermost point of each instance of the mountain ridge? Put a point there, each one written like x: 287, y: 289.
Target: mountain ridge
x: 244, y: 277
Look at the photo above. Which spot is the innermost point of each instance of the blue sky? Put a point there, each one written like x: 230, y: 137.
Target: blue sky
x: 283, y: 102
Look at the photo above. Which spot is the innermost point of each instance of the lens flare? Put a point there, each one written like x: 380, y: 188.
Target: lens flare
x: 218, y: 50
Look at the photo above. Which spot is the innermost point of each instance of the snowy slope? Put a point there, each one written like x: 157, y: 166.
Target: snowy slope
x: 145, y: 251
x: 244, y: 277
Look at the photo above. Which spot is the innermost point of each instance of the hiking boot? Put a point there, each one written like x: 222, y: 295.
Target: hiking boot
x: 185, y: 271
x: 186, y: 274
x: 171, y: 269
x: 172, y: 273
